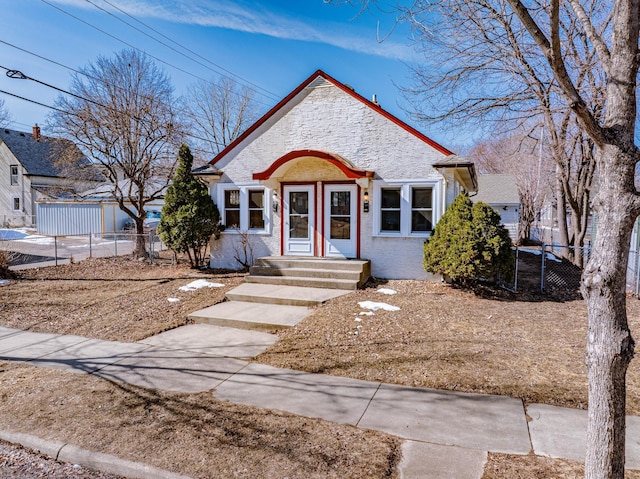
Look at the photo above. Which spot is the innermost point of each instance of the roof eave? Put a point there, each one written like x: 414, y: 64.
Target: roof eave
x: 344, y: 88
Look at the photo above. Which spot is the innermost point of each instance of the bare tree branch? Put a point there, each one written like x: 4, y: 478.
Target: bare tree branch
x: 122, y: 116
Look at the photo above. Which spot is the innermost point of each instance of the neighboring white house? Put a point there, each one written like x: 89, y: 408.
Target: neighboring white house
x: 29, y: 172
x: 328, y: 173
x: 501, y: 193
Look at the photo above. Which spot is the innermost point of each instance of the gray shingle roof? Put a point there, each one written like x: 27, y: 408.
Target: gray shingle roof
x: 37, y: 157
x: 497, y: 190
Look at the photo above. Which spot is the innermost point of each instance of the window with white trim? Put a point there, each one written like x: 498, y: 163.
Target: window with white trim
x: 14, y: 174
x: 232, y: 208
x: 390, y: 200
x: 256, y: 209
x: 405, y: 208
x: 421, y: 209
x: 244, y: 207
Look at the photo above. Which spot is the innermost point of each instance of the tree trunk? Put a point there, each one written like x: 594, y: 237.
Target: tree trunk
x: 141, y: 247
x: 609, y: 345
x: 561, y: 214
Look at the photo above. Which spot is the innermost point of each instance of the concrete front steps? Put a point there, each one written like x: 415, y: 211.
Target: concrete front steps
x: 265, y: 306
x: 327, y: 273
x: 280, y: 290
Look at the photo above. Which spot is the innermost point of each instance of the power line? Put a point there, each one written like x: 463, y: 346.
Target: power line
x: 133, y: 46
x: 235, y: 76
x: 79, y: 72
x: 85, y: 99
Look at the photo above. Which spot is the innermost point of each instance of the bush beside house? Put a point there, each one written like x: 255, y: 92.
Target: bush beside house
x: 469, y: 243
x: 189, y: 216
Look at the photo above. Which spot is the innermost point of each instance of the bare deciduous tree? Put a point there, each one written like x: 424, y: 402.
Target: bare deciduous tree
x: 122, y: 116
x: 490, y: 72
x: 576, y: 58
x: 218, y: 112
x: 525, y: 158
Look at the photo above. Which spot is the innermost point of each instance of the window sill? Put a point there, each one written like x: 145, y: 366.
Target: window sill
x: 235, y: 231
x: 400, y: 235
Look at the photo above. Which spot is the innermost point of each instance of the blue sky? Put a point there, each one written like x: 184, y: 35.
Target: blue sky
x: 271, y: 46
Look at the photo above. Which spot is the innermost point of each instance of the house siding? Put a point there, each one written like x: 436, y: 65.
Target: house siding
x: 22, y: 190
x: 330, y: 120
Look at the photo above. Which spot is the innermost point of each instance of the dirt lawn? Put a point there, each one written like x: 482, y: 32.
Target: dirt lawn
x: 441, y: 337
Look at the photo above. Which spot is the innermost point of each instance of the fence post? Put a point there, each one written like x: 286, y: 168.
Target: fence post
x: 55, y: 248
x: 90, y: 246
x: 150, y: 247
x: 544, y: 254
x: 637, y: 274
x: 515, y: 279
x: 115, y: 244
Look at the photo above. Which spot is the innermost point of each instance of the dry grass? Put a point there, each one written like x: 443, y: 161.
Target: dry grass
x: 450, y: 339
x: 192, y: 434
x: 112, y: 299
x: 442, y: 338
x: 505, y: 466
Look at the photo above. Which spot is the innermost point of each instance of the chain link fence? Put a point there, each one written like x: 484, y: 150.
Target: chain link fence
x: 633, y: 273
x: 29, y: 250
x: 549, y: 268
x: 560, y: 270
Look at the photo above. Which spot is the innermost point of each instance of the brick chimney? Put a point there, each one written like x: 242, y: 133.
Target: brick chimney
x: 36, y: 132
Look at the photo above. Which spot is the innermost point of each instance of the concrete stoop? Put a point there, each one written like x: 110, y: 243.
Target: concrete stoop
x: 326, y: 273
x: 280, y: 290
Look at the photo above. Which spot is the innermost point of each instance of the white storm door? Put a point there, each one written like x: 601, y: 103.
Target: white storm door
x: 340, y: 220
x: 299, y: 220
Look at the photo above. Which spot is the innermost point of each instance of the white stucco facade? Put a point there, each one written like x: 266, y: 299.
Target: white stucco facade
x: 334, y: 149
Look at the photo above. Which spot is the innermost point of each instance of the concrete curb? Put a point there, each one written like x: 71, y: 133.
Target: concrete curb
x: 61, y: 451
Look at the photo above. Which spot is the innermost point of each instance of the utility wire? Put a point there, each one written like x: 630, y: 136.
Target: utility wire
x: 236, y: 77
x: 79, y: 72
x: 202, y: 150
x: 131, y: 46
x: 66, y: 112
x: 33, y: 101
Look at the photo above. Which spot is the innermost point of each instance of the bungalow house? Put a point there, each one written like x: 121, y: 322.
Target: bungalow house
x: 501, y: 193
x: 30, y: 171
x: 329, y: 173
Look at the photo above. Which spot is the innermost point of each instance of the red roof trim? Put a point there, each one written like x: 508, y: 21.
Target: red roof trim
x: 341, y: 163
x: 344, y: 88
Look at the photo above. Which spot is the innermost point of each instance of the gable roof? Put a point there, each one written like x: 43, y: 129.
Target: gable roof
x: 497, y: 190
x: 319, y: 75
x: 37, y: 157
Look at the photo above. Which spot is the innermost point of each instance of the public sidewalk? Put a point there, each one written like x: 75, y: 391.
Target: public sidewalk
x: 447, y: 434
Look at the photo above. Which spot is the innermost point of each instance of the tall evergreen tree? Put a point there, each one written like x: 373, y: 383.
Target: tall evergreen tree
x: 469, y: 243
x: 189, y: 216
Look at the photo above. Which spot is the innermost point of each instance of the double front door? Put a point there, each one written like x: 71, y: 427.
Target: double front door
x: 328, y: 230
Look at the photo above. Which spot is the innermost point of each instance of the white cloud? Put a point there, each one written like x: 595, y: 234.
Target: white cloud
x: 253, y: 17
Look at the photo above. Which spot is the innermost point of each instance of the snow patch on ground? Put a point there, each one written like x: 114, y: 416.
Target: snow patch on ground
x: 366, y: 313
x: 376, y: 306
x: 386, y: 291
x: 4, y: 281
x: 173, y: 300
x: 199, y: 284
x: 537, y: 252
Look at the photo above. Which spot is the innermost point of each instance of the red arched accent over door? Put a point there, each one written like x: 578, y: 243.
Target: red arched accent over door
x: 348, y: 169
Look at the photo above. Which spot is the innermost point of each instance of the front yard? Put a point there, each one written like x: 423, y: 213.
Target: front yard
x: 440, y: 337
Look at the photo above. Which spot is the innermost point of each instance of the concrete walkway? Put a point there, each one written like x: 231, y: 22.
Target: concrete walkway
x: 448, y: 434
